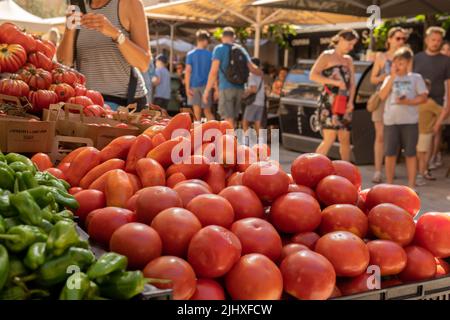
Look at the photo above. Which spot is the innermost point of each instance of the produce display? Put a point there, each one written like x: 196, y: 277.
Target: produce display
x: 42, y: 256
x: 201, y: 211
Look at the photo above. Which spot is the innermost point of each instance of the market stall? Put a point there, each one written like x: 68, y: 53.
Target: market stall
x: 157, y: 207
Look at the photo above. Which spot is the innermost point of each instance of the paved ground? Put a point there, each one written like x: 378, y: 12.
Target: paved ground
x: 433, y: 195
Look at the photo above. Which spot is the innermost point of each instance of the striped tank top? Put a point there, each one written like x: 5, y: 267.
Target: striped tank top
x: 101, y: 61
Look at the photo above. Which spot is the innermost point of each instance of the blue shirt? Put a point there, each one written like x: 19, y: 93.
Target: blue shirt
x: 222, y: 53
x: 163, y: 89
x: 200, y: 61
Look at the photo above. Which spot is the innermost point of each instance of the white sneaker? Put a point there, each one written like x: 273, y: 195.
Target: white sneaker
x: 432, y: 166
x: 438, y: 161
x: 377, y: 177
x: 420, y: 181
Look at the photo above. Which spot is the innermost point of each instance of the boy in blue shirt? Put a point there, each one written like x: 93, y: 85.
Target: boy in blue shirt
x: 198, y: 65
x: 229, y: 94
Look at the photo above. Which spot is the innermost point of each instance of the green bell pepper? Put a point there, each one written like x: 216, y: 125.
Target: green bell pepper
x: 6, y: 177
x: 43, y: 196
x: 35, y: 256
x: 59, y: 196
x: 5, y: 205
x: 15, y: 157
x: 16, y: 268
x: 47, y: 179
x: 19, y: 166
x: 29, y: 210
x: 122, y: 285
x: 62, y: 236
x: 12, y: 222
x: 2, y: 225
x: 108, y: 263
x: 14, y: 293
x: 21, y: 237
x: 76, y: 287
x: 56, y: 270
x: 2, y: 157
x: 4, y: 266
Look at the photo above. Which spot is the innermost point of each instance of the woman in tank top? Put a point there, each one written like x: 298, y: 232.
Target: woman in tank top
x: 112, y: 43
x: 335, y: 71
x: 396, y: 39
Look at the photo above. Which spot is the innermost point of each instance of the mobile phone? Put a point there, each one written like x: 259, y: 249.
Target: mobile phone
x: 80, y: 3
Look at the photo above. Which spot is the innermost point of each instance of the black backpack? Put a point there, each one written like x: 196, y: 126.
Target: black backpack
x: 237, y: 71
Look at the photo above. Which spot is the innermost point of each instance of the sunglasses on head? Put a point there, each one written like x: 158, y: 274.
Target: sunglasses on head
x: 349, y: 36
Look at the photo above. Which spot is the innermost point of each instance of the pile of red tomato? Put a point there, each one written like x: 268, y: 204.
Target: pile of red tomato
x: 32, y: 73
x: 232, y: 231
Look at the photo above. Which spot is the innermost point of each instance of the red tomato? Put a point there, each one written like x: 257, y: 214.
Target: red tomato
x: 244, y: 201
x: 245, y: 157
x: 42, y: 99
x: 388, y: 255
x: 262, y: 151
x: 12, y: 57
x: 14, y: 87
x: 213, y: 251
x: 96, y: 97
x: 290, y: 249
x: 348, y: 253
x: 267, y: 179
x: 336, y: 190
x: 174, y: 179
x: 295, y: 212
x: 258, y: 236
x: 362, y: 283
x: 308, y: 169
x: 73, y: 191
x: 63, y: 91
x: 208, y: 289
x: 198, y: 181
x: 153, y: 200
x: 40, y: 60
x: 212, y: 209
x: 442, y: 267
x: 89, y: 201
x: 235, y: 179
x: 138, y: 242
x: 57, y: 173
x: 401, y: 196
x: 308, y: 239
x: 389, y: 222
x: 81, y: 100
x: 189, y: 190
x: 361, y: 204
x: 433, y: 233
x: 105, y: 221
x: 298, y: 188
x: 336, y: 293
x: 176, y: 227
x: 132, y: 203
x: 349, y: 171
x: 344, y: 217
x: 178, y: 271
x: 420, y: 266
x: 308, y: 276
x: 254, y: 277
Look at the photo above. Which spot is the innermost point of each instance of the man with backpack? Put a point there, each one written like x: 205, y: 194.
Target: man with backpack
x: 232, y: 65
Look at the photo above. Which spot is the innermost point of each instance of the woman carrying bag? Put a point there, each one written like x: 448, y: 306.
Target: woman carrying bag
x: 111, y: 44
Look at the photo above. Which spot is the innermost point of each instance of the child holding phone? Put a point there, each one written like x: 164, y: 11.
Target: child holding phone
x: 403, y: 92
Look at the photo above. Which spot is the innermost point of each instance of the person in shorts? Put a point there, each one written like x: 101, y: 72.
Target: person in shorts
x: 198, y: 65
x: 429, y: 112
x: 230, y: 95
x: 254, y: 113
x: 402, y: 92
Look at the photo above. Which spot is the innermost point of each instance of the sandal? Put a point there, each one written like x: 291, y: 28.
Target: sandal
x: 377, y: 178
x: 428, y: 176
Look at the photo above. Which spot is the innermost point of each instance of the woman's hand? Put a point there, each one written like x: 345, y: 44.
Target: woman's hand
x: 100, y: 23
x: 340, y: 84
x: 350, y: 108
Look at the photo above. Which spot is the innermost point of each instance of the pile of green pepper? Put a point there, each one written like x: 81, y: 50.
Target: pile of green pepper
x: 41, y: 252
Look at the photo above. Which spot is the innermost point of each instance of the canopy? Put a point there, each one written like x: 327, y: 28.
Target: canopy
x: 12, y: 12
x: 389, y: 8
x: 240, y: 13
x: 178, y: 45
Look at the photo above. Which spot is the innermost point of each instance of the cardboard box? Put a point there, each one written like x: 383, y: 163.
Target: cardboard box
x: 24, y: 136
x: 100, y: 130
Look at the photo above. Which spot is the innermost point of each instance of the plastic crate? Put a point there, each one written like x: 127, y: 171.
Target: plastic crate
x: 436, y: 289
